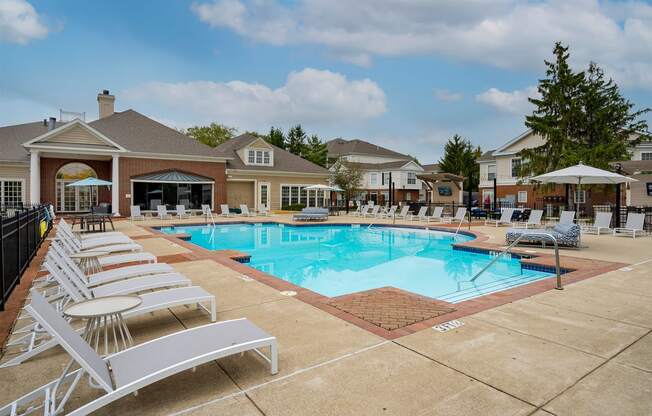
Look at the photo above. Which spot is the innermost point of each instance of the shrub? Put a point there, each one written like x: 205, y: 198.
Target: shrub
x: 294, y: 207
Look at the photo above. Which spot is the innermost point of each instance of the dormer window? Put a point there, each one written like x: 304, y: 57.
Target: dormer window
x: 259, y: 157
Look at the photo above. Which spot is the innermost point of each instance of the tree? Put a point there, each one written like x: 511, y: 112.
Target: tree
x: 316, y: 151
x: 213, y: 135
x: 296, y: 140
x: 460, y: 159
x: 348, y: 178
x: 276, y: 137
x: 581, y: 117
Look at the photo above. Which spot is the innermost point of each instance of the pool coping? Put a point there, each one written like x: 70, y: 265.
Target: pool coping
x: 575, y: 269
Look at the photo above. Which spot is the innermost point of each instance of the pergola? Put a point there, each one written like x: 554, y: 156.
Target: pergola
x: 430, y: 179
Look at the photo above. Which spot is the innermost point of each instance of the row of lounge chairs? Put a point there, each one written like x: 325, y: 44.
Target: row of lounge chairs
x: 368, y: 211
x: 42, y: 325
x: 181, y: 213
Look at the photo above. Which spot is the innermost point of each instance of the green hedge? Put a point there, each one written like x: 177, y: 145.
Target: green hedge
x: 295, y: 207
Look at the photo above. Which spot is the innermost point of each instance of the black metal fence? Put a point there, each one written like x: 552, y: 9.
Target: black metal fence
x: 22, y: 231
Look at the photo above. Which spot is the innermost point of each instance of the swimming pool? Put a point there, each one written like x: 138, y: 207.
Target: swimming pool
x: 335, y: 260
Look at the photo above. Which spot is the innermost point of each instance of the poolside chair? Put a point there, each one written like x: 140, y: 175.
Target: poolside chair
x: 111, y: 244
x: 435, y: 217
x: 390, y: 213
x: 162, y: 212
x: 533, y: 221
x: 244, y: 211
x: 263, y: 210
x: 115, y: 259
x: 132, y: 369
x: 419, y: 216
x: 64, y: 227
x: 225, y: 211
x: 357, y: 211
x: 363, y: 210
x: 403, y: 213
x: 459, y: 217
x: 567, y: 235
x: 505, y: 218
x: 182, y: 213
x: 633, y: 226
x: 567, y: 217
x: 136, y: 215
x: 601, y: 223
x: 373, y: 213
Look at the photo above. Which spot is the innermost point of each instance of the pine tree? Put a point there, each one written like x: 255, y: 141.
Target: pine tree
x: 460, y: 159
x: 276, y: 137
x: 316, y: 151
x: 296, y: 140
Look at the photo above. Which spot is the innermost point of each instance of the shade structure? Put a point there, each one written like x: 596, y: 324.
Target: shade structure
x: 90, y: 182
x: 320, y: 187
x: 582, y: 175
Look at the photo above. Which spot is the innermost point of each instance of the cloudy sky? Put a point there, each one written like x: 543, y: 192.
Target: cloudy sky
x: 406, y: 74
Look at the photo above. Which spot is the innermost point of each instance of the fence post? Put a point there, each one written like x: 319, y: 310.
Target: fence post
x: 2, y: 264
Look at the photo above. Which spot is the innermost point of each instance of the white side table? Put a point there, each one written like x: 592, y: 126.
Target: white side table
x: 88, y: 261
x: 104, y: 320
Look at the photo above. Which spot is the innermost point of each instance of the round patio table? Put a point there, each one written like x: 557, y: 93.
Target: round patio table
x: 89, y: 261
x: 104, y: 320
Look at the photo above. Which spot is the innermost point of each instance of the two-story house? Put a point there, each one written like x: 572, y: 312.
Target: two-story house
x: 377, y: 165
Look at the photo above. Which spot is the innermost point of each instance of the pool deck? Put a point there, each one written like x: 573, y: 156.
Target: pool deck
x: 585, y: 350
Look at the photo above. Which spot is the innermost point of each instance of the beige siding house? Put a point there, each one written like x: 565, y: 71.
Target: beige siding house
x: 258, y: 173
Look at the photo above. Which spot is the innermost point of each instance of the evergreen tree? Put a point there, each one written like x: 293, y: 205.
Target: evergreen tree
x: 316, y: 151
x: 213, y: 135
x: 276, y: 137
x: 296, y: 140
x: 460, y: 159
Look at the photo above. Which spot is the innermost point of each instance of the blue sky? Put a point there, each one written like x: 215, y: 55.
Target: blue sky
x: 406, y: 75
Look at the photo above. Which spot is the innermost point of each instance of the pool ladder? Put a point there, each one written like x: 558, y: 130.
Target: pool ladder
x: 514, y: 243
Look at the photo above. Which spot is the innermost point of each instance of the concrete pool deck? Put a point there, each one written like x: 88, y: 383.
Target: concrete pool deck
x: 586, y: 350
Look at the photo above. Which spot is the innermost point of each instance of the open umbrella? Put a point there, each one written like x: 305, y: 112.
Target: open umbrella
x: 90, y: 182
x: 320, y: 187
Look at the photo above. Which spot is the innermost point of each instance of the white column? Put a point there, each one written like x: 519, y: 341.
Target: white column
x: 34, y: 178
x: 115, y: 188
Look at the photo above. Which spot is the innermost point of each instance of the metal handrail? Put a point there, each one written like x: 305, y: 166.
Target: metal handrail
x: 538, y: 234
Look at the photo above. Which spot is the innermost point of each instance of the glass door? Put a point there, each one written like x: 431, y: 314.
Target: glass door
x: 263, y: 194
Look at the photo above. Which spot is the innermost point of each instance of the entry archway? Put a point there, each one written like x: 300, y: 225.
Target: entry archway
x: 72, y: 198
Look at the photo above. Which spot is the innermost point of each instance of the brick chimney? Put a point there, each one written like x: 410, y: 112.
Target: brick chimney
x: 105, y: 102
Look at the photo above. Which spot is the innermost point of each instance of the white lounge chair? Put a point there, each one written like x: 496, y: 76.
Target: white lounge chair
x: 505, y: 218
x: 263, y: 210
x: 363, y: 210
x: 162, y: 212
x: 244, y: 211
x: 373, y: 213
x: 358, y: 211
x: 75, y: 247
x: 114, y: 259
x: 601, y: 224
x: 91, y: 238
x: 533, y: 221
x: 633, y: 226
x: 436, y: 215
x: 567, y: 217
x: 206, y: 209
x: 136, y: 215
x: 460, y: 216
x: 132, y: 369
x: 182, y: 213
x: 390, y: 213
x: 420, y: 216
x: 403, y: 213
x: 225, y: 211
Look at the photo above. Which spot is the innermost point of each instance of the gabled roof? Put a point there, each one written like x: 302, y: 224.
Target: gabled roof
x: 340, y: 147
x: 284, y: 161
x: 381, y: 166
x: 87, y: 137
x: 433, y: 167
x: 487, y: 156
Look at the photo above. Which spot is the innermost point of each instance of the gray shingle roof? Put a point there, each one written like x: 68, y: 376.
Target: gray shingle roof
x: 486, y: 156
x: 13, y: 137
x: 378, y: 166
x: 433, y: 167
x: 284, y: 161
x: 340, y: 147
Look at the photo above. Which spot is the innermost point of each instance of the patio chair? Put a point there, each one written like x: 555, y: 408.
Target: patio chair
x: 63, y: 226
x: 182, y: 213
x: 263, y: 210
x: 505, y: 218
x: 567, y: 217
x: 567, y: 235
x: 533, y: 221
x: 601, y: 223
x: 390, y: 213
x: 363, y: 211
x: 132, y: 369
x: 358, y: 210
x: 162, y: 212
x: 403, y: 213
x: 436, y: 215
x: 225, y: 211
x: 633, y: 226
x: 460, y: 216
x: 420, y: 216
x: 110, y: 244
x: 244, y: 211
x: 115, y: 259
x: 136, y: 215
x: 373, y: 213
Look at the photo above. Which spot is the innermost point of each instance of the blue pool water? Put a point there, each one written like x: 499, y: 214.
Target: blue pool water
x: 334, y: 260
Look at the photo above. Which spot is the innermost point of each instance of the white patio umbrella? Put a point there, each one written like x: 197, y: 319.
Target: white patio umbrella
x: 90, y: 182
x: 582, y: 175
x: 320, y: 187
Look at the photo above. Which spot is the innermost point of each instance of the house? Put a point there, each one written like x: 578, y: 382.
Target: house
x: 148, y: 163
x: 260, y: 173
x: 638, y: 194
x: 499, y: 170
x: 377, y: 164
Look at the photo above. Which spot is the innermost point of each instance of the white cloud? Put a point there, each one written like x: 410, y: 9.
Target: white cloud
x: 312, y: 97
x: 504, y: 33
x: 445, y: 95
x: 19, y: 22
x: 512, y: 102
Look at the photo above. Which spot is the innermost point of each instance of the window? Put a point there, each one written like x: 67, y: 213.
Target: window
x: 72, y: 198
x: 266, y: 158
x: 522, y: 196
x: 297, y: 194
x: 149, y: 195
x: 580, y: 196
x: 412, y: 178
x: 648, y: 186
x: 491, y: 172
x: 646, y: 155
x: 516, y: 166
x: 252, y: 157
x: 385, y: 178
x: 259, y: 157
x: 11, y: 193
x: 373, y: 179
x: 408, y: 196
